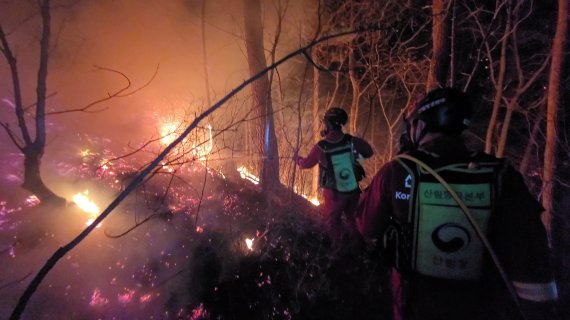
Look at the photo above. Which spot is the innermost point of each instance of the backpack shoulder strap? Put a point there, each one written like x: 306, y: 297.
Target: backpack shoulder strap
x: 323, y: 144
x: 472, y: 221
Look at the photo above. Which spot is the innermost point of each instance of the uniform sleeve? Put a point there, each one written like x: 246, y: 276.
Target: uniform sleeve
x: 521, y: 240
x: 362, y: 147
x: 373, y: 209
x: 311, y: 160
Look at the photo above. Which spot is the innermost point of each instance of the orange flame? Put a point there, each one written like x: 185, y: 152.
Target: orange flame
x: 247, y: 175
x: 86, y: 205
x: 249, y: 243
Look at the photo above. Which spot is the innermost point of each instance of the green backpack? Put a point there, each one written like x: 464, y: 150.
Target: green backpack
x: 343, y: 171
x: 443, y: 242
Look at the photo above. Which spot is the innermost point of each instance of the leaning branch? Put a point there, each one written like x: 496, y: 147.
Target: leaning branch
x: 62, y: 251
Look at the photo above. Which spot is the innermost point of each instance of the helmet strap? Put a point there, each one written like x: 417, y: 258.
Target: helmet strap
x: 417, y: 131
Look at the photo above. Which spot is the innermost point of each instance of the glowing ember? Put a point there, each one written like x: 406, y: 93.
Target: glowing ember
x: 167, y: 167
x: 247, y: 175
x: 87, y: 205
x: 32, y: 201
x: 199, y: 313
x: 249, y: 243
x: 126, y: 297
x: 105, y: 164
x: 97, y: 299
x: 199, y: 229
x: 85, y: 153
x: 145, y: 298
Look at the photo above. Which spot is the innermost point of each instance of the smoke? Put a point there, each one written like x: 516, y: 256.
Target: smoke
x: 130, y: 39
x: 134, y: 38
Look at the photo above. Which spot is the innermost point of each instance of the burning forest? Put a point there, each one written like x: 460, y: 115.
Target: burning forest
x: 149, y: 164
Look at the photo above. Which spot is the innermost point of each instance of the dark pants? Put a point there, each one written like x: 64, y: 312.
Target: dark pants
x: 337, y: 203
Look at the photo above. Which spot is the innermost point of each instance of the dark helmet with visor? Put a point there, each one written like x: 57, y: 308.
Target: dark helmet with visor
x: 446, y: 110
x: 337, y: 117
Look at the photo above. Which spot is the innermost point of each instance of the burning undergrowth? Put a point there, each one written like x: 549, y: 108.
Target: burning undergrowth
x: 291, y: 272
x: 173, y: 250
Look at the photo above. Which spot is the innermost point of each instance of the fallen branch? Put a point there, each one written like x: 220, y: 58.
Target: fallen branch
x: 62, y: 251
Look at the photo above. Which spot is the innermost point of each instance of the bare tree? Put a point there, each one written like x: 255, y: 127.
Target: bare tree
x: 376, y: 73
x: 205, y: 53
x: 265, y: 129
x: 498, y: 79
x: 552, y: 107
x: 513, y: 75
x: 31, y: 140
x: 32, y: 147
x: 439, y: 63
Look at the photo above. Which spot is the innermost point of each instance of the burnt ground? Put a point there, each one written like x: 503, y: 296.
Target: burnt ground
x: 171, y: 268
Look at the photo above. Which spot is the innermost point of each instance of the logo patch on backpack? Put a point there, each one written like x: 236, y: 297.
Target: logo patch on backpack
x: 345, y: 180
x: 341, y: 173
x: 447, y: 246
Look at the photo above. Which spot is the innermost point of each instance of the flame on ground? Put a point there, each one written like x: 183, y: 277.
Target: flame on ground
x: 86, y: 205
x: 246, y: 174
x: 249, y: 243
x: 314, y: 200
x: 170, y: 130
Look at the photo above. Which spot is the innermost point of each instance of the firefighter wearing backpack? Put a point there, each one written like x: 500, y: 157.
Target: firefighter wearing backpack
x: 441, y: 267
x: 337, y: 155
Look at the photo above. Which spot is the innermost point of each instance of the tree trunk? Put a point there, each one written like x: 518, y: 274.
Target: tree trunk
x: 552, y: 105
x: 355, y: 92
x: 439, y: 64
x: 489, y: 137
x: 205, y: 54
x: 316, y: 125
x: 265, y: 137
x: 525, y: 162
x: 33, y: 148
x: 32, y: 178
x: 502, y: 142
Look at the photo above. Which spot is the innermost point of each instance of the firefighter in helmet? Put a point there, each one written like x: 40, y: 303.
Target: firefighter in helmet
x: 460, y: 230
x: 337, y: 155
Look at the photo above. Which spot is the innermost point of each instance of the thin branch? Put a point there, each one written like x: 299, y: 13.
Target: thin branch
x: 18, y: 105
x: 121, y: 93
x: 11, y: 135
x: 27, y: 108
x: 11, y: 283
x: 138, y: 224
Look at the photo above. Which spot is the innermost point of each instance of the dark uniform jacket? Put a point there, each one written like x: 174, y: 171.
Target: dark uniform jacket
x: 515, y: 232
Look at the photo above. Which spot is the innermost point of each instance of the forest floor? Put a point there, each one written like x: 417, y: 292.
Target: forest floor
x: 175, y: 266
x: 184, y: 255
